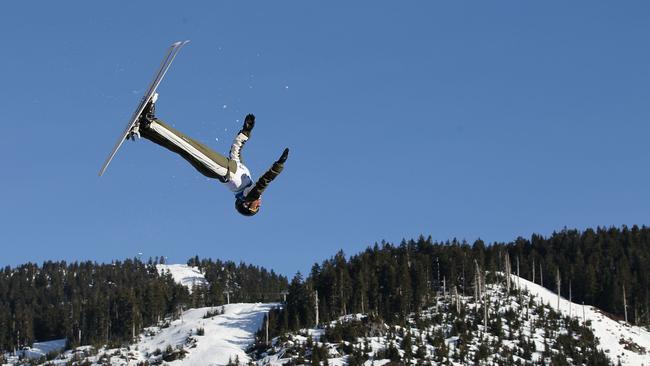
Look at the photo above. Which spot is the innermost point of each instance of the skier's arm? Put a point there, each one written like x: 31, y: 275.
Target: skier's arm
x: 241, y: 138
x: 267, y: 177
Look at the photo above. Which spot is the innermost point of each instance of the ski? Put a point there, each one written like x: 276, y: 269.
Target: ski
x: 151, y: 90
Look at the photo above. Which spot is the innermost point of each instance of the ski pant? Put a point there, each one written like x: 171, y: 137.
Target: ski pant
x: 208, y: 162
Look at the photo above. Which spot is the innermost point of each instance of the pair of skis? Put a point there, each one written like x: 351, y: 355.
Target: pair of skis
x: 151, y: 90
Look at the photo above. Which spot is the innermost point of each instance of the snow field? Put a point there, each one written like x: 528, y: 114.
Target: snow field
x: 614, y: 335
x: 183, y: 274
x: 226, y: 336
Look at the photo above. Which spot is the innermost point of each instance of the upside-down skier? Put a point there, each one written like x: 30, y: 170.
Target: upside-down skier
x: 230, y: 171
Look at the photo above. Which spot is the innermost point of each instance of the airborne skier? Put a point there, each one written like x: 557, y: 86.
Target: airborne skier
x: 211, y: 164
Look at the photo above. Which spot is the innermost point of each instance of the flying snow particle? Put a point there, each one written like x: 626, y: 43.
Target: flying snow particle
x: 225, y: 106
x: 216, y: 139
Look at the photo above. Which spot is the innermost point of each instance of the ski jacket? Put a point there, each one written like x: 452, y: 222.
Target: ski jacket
x: 240, y: 181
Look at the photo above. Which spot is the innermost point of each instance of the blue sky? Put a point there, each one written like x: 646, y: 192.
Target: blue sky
x: 450, y: 119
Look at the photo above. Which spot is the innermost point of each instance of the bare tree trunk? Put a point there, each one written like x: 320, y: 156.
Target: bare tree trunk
x: 480, y: 291
x: 518, y: 276
x: 570, y: 300
x: 464, y: 282
x: 316, y: 305
x: 533, y: 270
x: 508, y: 271
x: 456, y: 298
x: 476, y: 287
x: 558, y: 283
x: 485, y: 306
x: 477, y: 282
x: 624, y: 304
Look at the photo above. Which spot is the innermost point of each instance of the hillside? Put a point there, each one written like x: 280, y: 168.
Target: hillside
x: 619, y: 340
x: 523, y: 327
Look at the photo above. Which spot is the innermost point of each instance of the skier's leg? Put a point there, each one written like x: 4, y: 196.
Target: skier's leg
x: 241, y: 138
x: 205, y: 160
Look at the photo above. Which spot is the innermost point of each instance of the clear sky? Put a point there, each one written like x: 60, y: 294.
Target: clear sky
x: 452, y: 119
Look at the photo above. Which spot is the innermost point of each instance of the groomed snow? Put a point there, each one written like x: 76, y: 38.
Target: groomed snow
x: 613, y: 334
x: 226, y: 335
x: 183, y: 274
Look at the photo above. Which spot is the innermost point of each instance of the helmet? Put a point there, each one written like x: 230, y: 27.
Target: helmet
x: 242, y: 208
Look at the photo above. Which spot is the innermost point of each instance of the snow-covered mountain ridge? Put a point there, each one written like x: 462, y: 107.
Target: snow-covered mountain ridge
x: 621, y: 341
x: 523, y: 328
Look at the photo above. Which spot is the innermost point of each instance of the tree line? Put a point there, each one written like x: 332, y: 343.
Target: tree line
x: 230, y: 282
x: 605, y: 267
x: 91, y: 303
x: 84, y: 302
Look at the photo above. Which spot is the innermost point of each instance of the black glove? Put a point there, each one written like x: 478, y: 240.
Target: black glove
x: 249, y: 123
x: 285, y: 155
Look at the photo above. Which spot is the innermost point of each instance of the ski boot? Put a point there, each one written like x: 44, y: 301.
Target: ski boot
x: 148, y: 115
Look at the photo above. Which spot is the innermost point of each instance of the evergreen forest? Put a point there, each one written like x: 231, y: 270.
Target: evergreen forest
x: 91, y: 303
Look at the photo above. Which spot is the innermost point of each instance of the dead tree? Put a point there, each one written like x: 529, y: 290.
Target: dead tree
x: 506, y: 259
x: 316, y: 305
x: 533, y: 270
x: 624, y: 303
x: 557, y: 282
x: 485, y: 304
x: 518, y: 286
x: 477, y: 282
x: 570, y: 301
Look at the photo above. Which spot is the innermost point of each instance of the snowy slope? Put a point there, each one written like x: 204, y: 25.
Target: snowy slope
x: 183, y: 274
x: 525, y: 333
x: 226, y: 335
x: 617, y: 338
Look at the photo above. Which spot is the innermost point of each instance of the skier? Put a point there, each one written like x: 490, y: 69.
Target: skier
x: 211, y: 164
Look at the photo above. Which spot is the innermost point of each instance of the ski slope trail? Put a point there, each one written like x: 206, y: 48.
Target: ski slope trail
x: 621, y: 341
x: 183, y: 274
x: 226, y: 336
